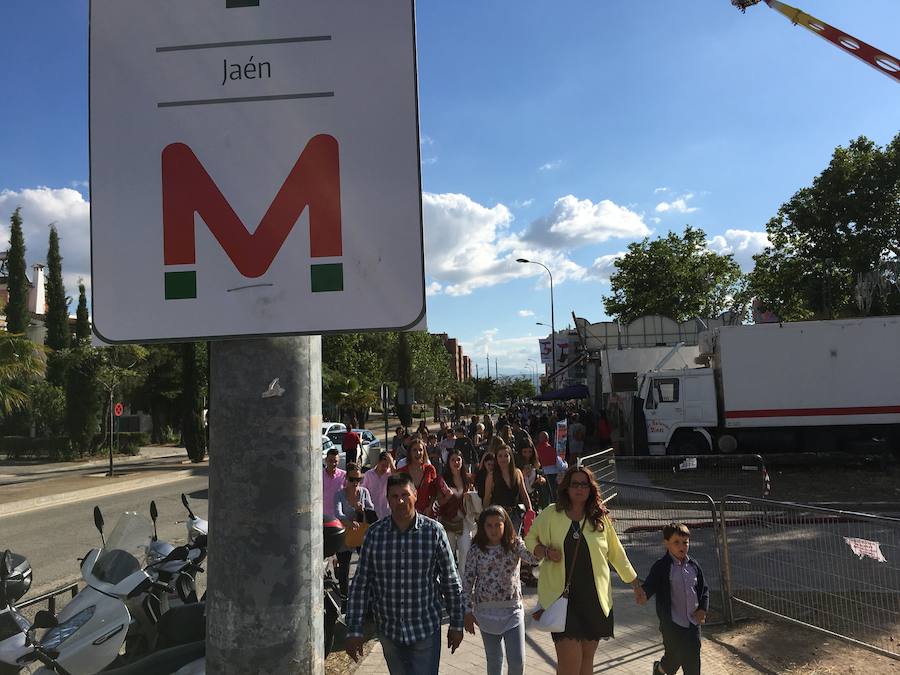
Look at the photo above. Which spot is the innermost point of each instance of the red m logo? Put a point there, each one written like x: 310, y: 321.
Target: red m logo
x: 313, y: 182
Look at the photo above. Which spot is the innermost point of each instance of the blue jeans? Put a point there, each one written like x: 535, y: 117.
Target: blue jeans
x: 419, y: 658
x: 514, y: 641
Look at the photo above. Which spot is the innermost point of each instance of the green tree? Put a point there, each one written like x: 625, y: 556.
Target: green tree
x: 160, y: 389
x: 430, y: 373
x: 82, y: 322
x: 675, y: 276
x: 58, y: 334
x: 47, y: 408
x: 192, y: 427
x: 828, y: 236
x: 21, y: 362
x: 83, y: 396
x: 17, y: 316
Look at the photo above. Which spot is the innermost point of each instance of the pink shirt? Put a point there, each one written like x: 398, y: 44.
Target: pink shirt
x: 330, y: 487
x: 377, y: 487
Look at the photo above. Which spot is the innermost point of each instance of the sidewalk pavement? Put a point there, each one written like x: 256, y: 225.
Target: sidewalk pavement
x: 632, y: 652
x: 44, y: 486
x: 10, y: 468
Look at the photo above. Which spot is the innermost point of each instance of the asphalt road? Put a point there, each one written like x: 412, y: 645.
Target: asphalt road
x: 53, y: 538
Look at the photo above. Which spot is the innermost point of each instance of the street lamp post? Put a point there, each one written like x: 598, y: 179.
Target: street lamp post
x: 552, y: 317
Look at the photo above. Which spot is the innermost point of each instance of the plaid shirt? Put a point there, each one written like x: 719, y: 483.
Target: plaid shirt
x: 405, y: 574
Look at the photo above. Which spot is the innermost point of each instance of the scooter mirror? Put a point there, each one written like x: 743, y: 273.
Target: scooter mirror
x: 44, y: 619
x: 184, y: 500
x: 98, y: 519
x: 154, y: 514
x: 6, y: 565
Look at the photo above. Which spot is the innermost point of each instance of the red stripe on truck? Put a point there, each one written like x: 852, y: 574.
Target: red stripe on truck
x: 814, y: 412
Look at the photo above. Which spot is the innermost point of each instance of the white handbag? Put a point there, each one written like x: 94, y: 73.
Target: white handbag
x: 553, y: 619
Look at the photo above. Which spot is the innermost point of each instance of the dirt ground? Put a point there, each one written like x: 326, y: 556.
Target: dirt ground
x: 835, y: 484
x: 774, y: 647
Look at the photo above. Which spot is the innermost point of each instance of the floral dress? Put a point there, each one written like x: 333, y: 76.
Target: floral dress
x: 491, y: 586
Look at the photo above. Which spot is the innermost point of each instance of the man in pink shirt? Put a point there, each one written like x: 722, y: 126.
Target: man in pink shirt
x: 332, y: 481
x: 375, y: 481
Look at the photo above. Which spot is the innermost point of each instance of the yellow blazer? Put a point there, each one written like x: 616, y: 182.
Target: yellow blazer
x: 550, y: 528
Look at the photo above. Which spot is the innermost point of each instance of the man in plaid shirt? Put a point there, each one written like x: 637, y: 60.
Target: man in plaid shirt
x: 405, y: 568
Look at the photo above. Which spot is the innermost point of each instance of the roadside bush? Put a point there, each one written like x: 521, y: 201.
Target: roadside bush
x: 130, y: 442
x: 55, y: 448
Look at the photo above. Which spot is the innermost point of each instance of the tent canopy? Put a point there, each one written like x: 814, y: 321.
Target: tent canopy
x: 565, y: 394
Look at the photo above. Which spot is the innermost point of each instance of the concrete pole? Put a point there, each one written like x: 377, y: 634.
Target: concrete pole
x: 265, y: 505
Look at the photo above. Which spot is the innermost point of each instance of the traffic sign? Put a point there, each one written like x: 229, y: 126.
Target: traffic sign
x: 254, y: 168
x: 118, y: 409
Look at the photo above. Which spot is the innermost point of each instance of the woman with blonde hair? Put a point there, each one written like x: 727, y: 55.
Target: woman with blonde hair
x: 577, y: 541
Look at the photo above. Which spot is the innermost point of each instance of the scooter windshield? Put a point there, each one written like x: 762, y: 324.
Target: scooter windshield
x: 126, y: 549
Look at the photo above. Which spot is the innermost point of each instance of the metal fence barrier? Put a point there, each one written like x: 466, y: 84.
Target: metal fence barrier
x: 715, y: 475
x: 49, y: 600
x: 639, y: 513
x: 837, y: 572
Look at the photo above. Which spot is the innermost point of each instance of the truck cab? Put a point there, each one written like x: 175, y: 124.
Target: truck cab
x: 679, y: 407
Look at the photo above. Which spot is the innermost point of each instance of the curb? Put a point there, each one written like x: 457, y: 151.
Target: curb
x: 63, y: 467
x: 37, y: 503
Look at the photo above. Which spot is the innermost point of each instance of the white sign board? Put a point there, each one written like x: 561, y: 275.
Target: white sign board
x: 254, y: 168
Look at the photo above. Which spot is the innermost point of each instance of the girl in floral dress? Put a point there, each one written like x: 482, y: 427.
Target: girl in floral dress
x: 492, y: 590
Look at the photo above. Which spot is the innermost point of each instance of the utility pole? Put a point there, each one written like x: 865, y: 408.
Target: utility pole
x: 488, y: 358
x: 265, y: 603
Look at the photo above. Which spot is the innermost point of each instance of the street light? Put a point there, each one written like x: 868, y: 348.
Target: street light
x: 552, y: 315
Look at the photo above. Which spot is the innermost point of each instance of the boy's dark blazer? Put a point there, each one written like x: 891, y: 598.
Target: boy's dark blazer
x: 657, y: 583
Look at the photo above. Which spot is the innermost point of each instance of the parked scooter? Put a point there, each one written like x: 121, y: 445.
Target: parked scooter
x: 180, y: 575
x: 89, y: 632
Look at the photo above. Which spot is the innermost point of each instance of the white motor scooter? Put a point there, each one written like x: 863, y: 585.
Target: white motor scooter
x: 88, y: 634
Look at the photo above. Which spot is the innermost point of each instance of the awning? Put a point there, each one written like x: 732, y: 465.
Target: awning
x: 565, y: 394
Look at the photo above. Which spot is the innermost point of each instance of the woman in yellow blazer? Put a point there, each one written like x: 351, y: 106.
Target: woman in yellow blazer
x: 579, y: 514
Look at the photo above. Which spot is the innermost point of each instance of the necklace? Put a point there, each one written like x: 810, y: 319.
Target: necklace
x: 576, y: 531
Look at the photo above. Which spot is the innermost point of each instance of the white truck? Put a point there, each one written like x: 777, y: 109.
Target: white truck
x: 803, y: 386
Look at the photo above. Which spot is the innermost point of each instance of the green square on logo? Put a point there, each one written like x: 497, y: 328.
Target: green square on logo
x: 181, y: 285
x: 328, y: 277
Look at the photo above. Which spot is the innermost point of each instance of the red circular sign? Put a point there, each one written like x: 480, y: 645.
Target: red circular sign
x: 119, y: 409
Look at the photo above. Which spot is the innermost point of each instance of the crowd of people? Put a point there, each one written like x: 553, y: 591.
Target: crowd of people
x: 457, y: 519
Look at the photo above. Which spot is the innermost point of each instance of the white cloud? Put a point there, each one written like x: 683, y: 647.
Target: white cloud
x: 679, y: 205
x: 434, y: 288
x: 551, y: 166
x: 604, y: 266
x: 524, y: 204
x: 70, y: 212
x: 470, y: 246
x: 577, y: 222
x: 525, y: 312
x: 428, y: 161
x: 743, y: 244
x: 511, y: 353
x: 425, y: 139
x: 655, y: 220
x: 661, y: 189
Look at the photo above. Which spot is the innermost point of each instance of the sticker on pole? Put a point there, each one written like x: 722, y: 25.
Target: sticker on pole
x: 254, y: 168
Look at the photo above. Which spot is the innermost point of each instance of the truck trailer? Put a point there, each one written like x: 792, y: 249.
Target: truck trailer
x: 814, y: 386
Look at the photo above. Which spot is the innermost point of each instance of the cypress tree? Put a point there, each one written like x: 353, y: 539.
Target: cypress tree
x: 83, y: 397
x: 58, y: 335
x: 82, y: 324
x: 17, y: 316
x: 192, y: 404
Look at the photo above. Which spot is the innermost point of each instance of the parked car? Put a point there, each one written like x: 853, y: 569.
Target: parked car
x: 328, y: 444
x: 369, y: 446
x: 328, y: 427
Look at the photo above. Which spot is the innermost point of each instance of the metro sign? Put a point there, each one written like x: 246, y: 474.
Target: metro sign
x: 254, y: 168
x: 187, y: 188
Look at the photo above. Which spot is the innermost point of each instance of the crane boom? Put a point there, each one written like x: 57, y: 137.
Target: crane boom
x: 881, y: 61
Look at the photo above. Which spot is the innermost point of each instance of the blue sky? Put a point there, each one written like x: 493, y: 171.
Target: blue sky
x: 555, y: 131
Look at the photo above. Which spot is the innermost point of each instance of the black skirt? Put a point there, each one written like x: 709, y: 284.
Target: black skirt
x: 585, y: 619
